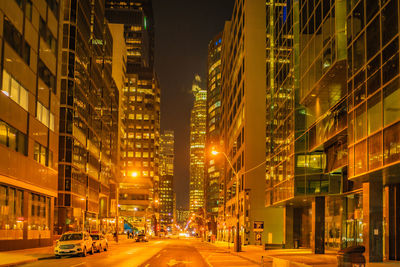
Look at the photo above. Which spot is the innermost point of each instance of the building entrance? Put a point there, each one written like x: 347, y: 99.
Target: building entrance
x: 394, y: 222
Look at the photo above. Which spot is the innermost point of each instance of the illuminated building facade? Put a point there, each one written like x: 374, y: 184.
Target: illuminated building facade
x: 197, y: 146
x: 138, y: 196
x: 166, y: 185
x: 243, y: 123
x: 335, y: 125
x: 214, y: 165
x: 88, y: 143
x: 29, y: 107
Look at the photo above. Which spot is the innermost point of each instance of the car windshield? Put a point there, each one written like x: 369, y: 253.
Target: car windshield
x: 67, y: 237
x: 95, y: 237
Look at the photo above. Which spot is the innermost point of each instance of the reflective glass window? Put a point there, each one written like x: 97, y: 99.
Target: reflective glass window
x: 391, y: 102
x: 392, y: 143
x: 375, y: 151
x: 374, y: 113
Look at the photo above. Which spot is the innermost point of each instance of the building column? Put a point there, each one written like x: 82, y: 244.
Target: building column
x: 373, y: 220
x: 26, y: 214
x: 318, y: 225
x: 288, y: 227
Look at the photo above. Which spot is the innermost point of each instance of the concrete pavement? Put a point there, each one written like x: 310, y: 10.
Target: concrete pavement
x: 290, y: 257
x: 172, y: 252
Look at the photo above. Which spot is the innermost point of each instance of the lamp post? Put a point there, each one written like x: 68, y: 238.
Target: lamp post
x: 237, y: 247
x: 83, y: 214
x: 134, y: 216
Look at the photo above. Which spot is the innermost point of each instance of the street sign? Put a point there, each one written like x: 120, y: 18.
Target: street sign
x: 258, y: 237
x: 258, y: 226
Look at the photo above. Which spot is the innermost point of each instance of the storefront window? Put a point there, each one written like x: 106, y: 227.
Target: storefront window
x: 11, y: 212
x: 353, y: 221
x: 333, y: 208
x: 39, y: 212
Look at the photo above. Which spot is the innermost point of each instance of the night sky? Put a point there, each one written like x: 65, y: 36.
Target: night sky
x: 183, y: 31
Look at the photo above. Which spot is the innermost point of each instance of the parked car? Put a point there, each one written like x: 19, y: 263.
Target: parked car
x: 100, y: 242
x: 141, y: 238
x: 74, y: 243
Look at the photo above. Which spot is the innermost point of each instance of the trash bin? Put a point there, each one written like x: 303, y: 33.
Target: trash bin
x: 351, y: 257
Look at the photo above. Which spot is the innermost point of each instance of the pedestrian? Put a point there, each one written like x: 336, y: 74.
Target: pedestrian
x: 127, y: 234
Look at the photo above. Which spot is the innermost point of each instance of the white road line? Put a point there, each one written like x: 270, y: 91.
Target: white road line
x: 147, y: 265
x: 158, y: 255
x: 78, y: 264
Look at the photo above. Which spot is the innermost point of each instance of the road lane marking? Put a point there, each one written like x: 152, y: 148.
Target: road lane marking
x: 158, y: 255
x: 147, y: 265
x: 174, y: 262
x: 78, y: 264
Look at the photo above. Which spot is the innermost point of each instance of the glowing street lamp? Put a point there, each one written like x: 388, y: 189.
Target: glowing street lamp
x: 83, y: 214
x: 237, y: 235
x: 134, y: 174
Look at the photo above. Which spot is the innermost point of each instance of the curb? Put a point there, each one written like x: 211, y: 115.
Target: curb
x: 269, y: 259
x: 18, y: 263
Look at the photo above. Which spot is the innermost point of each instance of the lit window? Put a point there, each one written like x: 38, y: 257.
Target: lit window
x: 12, y: 89
x: 45, y: 116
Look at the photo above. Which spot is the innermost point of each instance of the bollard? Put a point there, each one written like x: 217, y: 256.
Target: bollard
x: 262, y: 261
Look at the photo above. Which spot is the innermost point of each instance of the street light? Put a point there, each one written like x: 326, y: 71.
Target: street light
x: 83, y: 214
x: 134, y: 217
x: 237, y: 247
x: 134, y: 174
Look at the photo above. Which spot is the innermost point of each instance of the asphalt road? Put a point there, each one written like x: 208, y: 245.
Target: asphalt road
x: 156, y: 253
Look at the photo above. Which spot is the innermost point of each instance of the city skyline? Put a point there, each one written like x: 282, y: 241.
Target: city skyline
x: 184, y: 46
x: 199, y: 133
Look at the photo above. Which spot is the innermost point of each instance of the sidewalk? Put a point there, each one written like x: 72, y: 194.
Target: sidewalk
x: 290, y: 257
x: 18, y: 257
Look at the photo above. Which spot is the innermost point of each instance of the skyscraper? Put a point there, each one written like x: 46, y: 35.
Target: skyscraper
x: 243, y: 121
x: 29, y: 108
x: 332, y: 161
x: 197, y: 146
x: 138, y: 197
x: 214, y: 166
x: 88, y: 144
x: 166, y: 185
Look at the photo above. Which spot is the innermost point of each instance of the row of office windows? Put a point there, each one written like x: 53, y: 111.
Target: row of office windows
x: 13, y: 89
x: 17, y: 42
x: 45, y: 116
x: 12, y: 138
x: 42, y: 155
x: 17, y: 141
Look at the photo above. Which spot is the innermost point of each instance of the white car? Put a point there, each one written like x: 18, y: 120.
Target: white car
x: 74, y: 243
x: 100, y: 243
